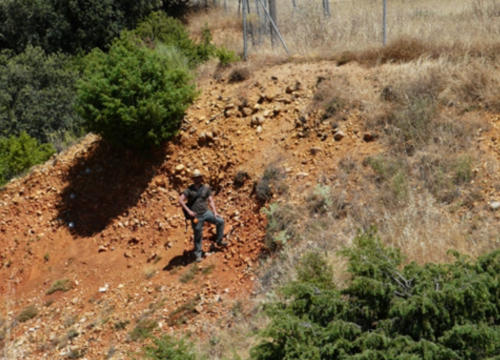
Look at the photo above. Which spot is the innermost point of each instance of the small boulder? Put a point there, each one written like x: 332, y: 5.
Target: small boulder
x: 270, y: 97
x: 339, y: 135
x: 368, y: 137
x: 179, y: 168
x: 315, y: 150
x: 246, y: 111
x: 495, y: 205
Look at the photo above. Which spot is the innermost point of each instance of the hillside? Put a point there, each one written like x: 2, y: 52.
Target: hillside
x: 109, y: 221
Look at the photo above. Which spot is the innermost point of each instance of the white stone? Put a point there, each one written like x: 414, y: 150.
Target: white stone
x: 495, y: 205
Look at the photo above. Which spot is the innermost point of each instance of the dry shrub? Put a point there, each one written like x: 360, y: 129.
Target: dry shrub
x: 271, y: 183
x: 239, y: 74
x: 391, y: 178
x: 282, y: 220
x: 235, y: 341
x: 434, y: 171
x: 412, y: 125
x: 226, y: 28
x: 418, y: 80
x: 345, y: 57
x: 27, y: 313
x: 336, y: 96
x: 404, y: 49
x: 240, y: 178
x: 473, y: 85
x: 422, y: 231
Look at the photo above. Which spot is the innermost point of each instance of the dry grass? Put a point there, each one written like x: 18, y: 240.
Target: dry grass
x: 236, y: 341
x: 434, y: 28
x: 149, y: 272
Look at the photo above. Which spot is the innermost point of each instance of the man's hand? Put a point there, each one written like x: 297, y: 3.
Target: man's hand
x: 192, y: 214
x: 216, y: 214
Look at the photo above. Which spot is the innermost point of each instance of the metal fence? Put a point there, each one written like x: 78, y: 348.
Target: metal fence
x: 332, y: 25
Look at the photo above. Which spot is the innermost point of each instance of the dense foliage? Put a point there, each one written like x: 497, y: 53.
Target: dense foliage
x: 167, y: 347
x: 68, y: 25
x: 133, y: 96
x: 18, y: 154
x: 387, y: 311
x: 160, y: 28
x: 37, y: 92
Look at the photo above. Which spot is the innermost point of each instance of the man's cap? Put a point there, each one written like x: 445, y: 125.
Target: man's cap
x: 196, y: 173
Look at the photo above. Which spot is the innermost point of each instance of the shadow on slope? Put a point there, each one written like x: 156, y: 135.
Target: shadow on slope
x: 103, y: 184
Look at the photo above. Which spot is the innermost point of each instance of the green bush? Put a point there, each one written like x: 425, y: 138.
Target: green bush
x: 18, y: 154
x: 27, y: 313
x: 167, y: 347
x: 320, y: 200
x: 60, y: 285
x: 281, y: 220
x: 414, y: 122
x: 390, y: 311
x: 142, y: 330
x: 69, y: 26
x: 226, y: 56
x: 133, y: 96
x: 37, y: 92
x: 160, y: 28
x: 314, y: 269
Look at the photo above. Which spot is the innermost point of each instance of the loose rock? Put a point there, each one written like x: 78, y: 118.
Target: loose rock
x: 494, y: 206
x: 315, y: 150
x: 339, y: 135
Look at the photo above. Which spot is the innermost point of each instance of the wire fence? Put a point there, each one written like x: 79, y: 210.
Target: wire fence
x: 327, y: 25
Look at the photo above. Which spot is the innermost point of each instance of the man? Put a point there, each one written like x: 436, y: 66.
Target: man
x: 194, y: 202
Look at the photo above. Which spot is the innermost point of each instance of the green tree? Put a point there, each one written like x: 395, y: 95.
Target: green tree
x: 37, y: 92
x: 390, y: 311
x: 18, y: 154
x: 68, y: 25
x: 133, y: 96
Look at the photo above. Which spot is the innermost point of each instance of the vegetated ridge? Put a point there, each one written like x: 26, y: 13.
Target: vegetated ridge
x: 93, y: 248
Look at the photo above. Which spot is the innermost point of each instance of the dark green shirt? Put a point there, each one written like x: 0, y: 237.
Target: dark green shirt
x: 200, y: 206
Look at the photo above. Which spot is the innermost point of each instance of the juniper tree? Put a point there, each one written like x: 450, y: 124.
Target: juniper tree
x: 390, y: 310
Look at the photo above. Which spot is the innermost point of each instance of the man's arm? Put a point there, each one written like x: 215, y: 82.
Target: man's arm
x: 212, y: 205
x: 182, y: 202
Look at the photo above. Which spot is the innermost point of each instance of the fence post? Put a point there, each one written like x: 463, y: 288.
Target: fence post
x: 326, y: 8
x: 274, y: 26
x: 245, y: 46
x: 385, y: 23
x: 273, y: 14
x: 251, y: 23
x: 259, y: 28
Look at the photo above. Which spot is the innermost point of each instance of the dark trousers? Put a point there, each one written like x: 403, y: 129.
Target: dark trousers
x: 198, y: 230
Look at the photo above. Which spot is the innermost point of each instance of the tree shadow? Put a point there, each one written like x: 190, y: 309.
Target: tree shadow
x: 104, y: 183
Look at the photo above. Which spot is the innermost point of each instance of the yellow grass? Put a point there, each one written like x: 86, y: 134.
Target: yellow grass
x: 357, y: 25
